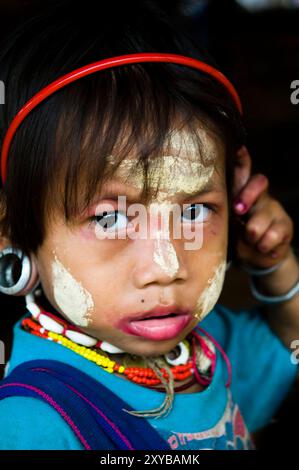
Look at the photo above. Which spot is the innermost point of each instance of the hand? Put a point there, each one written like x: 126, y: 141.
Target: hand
x: 265, y: 230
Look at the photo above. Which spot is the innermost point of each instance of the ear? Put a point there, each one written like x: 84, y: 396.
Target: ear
x: 242, y: 170
x: 3, y: 242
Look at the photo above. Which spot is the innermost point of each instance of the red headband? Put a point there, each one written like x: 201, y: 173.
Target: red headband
x: 102, y: 65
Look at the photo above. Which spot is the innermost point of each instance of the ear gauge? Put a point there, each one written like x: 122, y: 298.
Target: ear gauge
x: 18, y: 272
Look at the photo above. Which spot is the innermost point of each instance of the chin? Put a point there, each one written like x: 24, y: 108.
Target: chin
x: 154, y: 349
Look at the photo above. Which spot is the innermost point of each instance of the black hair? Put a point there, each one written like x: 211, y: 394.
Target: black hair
x: 69, y: 136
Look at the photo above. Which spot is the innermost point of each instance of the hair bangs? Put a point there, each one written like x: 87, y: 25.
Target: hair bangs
x: 126, y: 112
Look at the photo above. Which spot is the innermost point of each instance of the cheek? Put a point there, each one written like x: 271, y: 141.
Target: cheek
x: 74, y: 301
x: 78, y: 273
x: 87, y: 233
x: 216, y: 233
x: 210, y: 261
x: 211, y: 292
x: 96, y: 250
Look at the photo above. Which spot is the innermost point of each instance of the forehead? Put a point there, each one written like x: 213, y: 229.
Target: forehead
x: 188, y: 160
x: 198, y: 145
x: 186, y: 167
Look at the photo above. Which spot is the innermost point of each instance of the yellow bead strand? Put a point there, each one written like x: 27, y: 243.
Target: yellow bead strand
x: 102, y: 361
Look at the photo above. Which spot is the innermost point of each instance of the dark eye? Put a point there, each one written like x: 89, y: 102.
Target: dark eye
x: 110, y: 221
x: 196, y: 213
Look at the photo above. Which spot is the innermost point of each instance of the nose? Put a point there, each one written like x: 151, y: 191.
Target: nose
x: 158, y: 260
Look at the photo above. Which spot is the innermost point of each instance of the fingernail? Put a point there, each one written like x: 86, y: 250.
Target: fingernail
x: 239, y: 206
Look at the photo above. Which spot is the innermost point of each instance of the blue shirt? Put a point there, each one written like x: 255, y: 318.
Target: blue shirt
x: 262, y: 374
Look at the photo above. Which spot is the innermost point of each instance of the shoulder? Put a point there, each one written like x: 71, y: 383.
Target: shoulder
x: 259, y: 360
x: 234, y: 325
x: 244, y: 331
x: 223, y: 322
x: 28, y: 423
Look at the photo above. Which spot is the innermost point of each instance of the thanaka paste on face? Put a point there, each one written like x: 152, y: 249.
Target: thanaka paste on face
x: 164, y: 252
x: 71, y: 297
x: 174, y: 174
x: 211, y: 293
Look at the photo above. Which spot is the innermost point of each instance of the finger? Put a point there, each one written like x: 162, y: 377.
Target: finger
x: 262, y: 260
x: 257, y: 226
x: 257, y: 185
x: 242, y: 170
x: 276, y: 235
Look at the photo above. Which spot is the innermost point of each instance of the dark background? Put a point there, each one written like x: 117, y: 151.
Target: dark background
x: 259, y: 52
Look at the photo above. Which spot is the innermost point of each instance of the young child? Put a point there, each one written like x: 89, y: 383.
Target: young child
x: 122, y: 344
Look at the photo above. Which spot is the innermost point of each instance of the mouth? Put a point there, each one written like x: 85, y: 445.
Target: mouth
x: 160, y: 323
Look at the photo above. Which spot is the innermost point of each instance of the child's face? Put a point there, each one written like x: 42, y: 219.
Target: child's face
x: 101, y: 283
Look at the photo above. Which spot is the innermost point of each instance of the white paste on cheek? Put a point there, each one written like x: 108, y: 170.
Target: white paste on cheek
x: 71, y: 297
x: 210, y: 295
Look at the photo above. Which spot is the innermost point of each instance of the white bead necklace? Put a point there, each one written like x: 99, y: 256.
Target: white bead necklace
x: 181, y: 352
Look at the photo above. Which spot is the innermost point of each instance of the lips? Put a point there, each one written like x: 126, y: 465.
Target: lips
x: 158, y: 324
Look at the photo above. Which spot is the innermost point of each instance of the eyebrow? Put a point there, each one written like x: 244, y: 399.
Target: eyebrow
x: 114, y: 188
x: 211, y: 186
